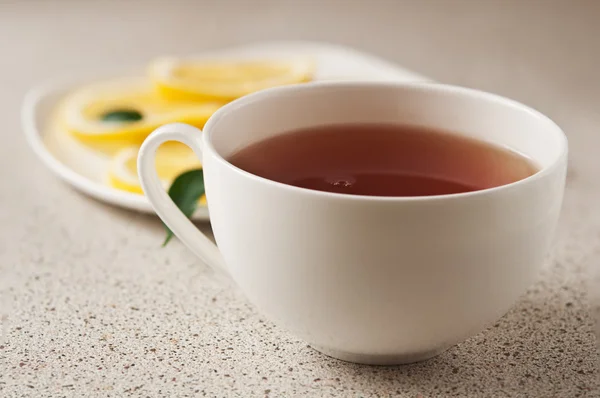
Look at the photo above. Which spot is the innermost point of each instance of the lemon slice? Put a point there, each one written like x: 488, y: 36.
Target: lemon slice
x: 225, y: 80
x: 125, y: 111
x: 172, y: 159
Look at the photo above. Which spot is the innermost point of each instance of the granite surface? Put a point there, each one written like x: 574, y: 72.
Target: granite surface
x: 93, y: 306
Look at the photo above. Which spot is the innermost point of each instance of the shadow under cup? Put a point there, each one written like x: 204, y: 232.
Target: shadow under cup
x: 376, y: 280
x: 593, y: 286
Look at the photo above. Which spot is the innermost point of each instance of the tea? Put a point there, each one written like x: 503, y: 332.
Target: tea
x: 383, y: 160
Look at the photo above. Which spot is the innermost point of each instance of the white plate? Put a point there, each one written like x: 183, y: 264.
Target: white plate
x: 85, y: 168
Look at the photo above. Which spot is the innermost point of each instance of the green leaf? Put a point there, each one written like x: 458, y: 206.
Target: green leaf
x: 121, y: 116
x: 185, y: 191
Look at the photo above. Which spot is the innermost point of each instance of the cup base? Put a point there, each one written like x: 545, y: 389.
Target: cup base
x: 379, y: 359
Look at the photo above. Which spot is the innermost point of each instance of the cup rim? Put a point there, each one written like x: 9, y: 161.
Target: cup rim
x: 425, y: 86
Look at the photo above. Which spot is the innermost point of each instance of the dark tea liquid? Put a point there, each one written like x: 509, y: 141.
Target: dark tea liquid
x: 383, y: 160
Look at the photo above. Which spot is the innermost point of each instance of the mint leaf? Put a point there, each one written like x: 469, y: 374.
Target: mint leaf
x: 121, y: 116
x: 185, y: 191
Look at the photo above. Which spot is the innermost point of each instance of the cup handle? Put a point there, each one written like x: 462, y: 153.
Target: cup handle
x: 166, y: 209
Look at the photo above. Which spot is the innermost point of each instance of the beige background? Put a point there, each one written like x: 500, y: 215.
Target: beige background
x: 96, y: 308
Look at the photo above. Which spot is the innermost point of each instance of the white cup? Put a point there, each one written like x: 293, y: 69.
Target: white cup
x: 376, y: 280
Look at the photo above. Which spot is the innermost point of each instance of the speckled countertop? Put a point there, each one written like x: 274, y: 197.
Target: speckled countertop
x: 93, y: 306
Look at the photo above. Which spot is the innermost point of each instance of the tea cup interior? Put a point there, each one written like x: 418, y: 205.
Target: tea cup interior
x: 463, y: 111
